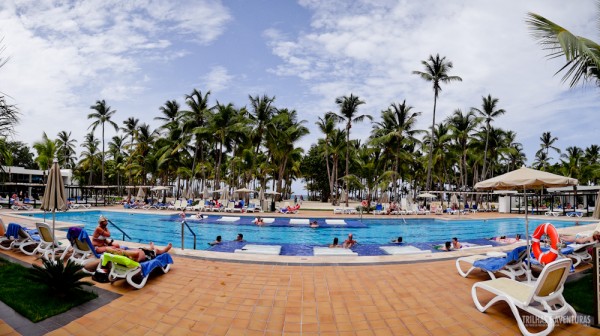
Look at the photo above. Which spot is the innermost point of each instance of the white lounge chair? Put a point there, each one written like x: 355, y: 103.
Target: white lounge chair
x: 135, y: 273
x: 510, y: 265
x: 580, y: 253
x: 49, y: 246
x: 542, y: 298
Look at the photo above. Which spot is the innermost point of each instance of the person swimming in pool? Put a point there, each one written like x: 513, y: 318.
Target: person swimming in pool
x: 350, y: 242
x: 397, y: 240
x: 216, y: 242
x: 259, y: 221
x: 455, y: 244
x: 314, y: 224
x: 240, y: 238
x: 335, y: 243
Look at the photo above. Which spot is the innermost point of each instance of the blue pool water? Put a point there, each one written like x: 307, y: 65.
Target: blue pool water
x: 300, y: 239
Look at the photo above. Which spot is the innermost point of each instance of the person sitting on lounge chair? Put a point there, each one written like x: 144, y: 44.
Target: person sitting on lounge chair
x: 580, y: 239
x: 141, y: 254
x: 350, y: 242
x: 100, y: 238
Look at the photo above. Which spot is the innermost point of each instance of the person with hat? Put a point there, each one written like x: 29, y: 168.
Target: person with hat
x: 100, y: 238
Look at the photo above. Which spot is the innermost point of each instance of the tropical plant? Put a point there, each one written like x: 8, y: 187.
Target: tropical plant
x: 46, y: 150
x: 61, y: 279
x: 582, y: 54
x: 488, y: 112
x: 102, y: 115
x: 548, y: 143
x: 436, y: 72
x: 348, y: 110
x: 65, y: 149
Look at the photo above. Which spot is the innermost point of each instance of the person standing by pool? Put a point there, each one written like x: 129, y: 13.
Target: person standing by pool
x: 350, y: 242
x: 101, y: 235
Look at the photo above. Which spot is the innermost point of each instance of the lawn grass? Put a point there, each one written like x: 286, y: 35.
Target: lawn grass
x: 580, y: 294
x: 32, y: 300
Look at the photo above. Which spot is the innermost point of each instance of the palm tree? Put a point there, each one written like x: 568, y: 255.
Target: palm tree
x: 327, y: 126
x: 348, y: 110
x: 489, y: 112
x: 194, y: 119
x: 462, y: 126
x: 260, y: 115
x: 582, y: 54
x: 547, y: 143
x: 115, y: 148
x: 66, y: 149
x: 90, y: 143
x: 436, y: 72
x: 171, y: 115
x: 395, y: 129
x: 46, y: 150
x: 130, y: 128
x: 102, y: 115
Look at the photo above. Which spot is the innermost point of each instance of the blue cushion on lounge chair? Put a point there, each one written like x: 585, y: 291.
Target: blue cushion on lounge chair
x: 73, y: 233
x: 495, y: 264
x: 14, y: 228
x: 84, y: 237
x: 160, y: 261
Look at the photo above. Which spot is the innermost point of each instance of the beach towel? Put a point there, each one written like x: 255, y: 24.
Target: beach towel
x: 160, y: 261
x: 494, y: 264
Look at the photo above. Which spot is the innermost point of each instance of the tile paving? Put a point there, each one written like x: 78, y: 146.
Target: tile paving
x: 212, y: 297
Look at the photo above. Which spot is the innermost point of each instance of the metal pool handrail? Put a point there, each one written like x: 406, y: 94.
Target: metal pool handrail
x: 183, y: 234
x: 118, y: 228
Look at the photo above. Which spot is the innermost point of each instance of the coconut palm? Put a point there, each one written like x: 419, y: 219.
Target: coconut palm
x: 65, y: 149
x: 46, y: 150
x: 436, y: 72
x: 547, y: 143
x: 260, y: 114
x: 348, y: 110
x: 582, y: 54
x: 462, y: 126
x: 102, y: 115
x: 195, y: 118
x: 326, y: 125
x: 116, y: 149
x: 171, y: 114
x: 130, y: 128
x: 395, y: 129
x: 488, y: 112
x: 89, y: 155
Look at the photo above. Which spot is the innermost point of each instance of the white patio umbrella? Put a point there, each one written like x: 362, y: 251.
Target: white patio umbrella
x: 596, y: 214
x: 159, y: 188
x: 454, y: 200
x: 141, y: 194
x: 54, y: 195
x: 426, y: 195
x: 522, y: 179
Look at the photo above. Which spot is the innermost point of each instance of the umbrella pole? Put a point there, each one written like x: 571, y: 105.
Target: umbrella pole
x: 527, y: 236
x: 53, y: 232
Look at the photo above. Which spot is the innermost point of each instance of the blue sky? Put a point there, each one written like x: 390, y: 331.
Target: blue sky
x: 138, y: 54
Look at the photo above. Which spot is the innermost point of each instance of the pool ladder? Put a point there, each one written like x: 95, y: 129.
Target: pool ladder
x: 183, y: 234
x: 118, y: 228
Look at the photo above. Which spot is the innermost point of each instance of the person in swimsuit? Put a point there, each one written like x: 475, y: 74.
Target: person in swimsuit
x: 335, y: 243
x: 580, y: 239
x: 100, y: 238
x: 455, y: 244
x: 141, y: 254
x: 348, y: 243
x: 216, y: 242
x: 240, y: 238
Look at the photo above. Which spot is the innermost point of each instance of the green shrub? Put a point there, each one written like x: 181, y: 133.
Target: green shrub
x: 61, y: 279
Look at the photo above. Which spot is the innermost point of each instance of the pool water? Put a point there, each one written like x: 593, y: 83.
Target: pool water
x: 300, y: 239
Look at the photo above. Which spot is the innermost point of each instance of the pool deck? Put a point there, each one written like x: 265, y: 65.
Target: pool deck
x: 216, y: 293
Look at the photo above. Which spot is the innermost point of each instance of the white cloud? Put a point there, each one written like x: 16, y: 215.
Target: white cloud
x: 217, y: 79
x: 370, y: 48
x: 66, y: 55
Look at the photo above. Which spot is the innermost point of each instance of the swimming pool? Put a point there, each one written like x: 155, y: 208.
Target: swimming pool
x: 300, y: 239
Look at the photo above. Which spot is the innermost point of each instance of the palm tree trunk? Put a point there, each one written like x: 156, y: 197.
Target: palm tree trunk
x: 329, y: 174
x: 428, y: 183
x: 102, y: 153
x: 347, y: 158
x: 487, y: 135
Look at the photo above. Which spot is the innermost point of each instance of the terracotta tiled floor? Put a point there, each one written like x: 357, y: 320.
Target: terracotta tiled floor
x: 222, y: 298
